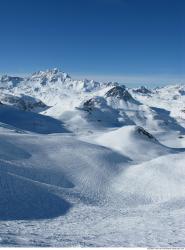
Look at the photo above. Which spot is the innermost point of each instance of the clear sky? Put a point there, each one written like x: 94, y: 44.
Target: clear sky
x: 123, y: 40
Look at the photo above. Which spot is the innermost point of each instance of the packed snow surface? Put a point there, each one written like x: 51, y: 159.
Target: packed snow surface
x: 86, y: 163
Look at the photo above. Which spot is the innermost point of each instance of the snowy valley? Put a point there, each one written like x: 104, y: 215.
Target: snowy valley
x: 87, y: 163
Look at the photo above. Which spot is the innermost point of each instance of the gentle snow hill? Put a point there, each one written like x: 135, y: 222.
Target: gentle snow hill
x: 44, y: 176
x: 22, y: 198
x: 41, y: 175
x: 156, y: 181
x: 134, y: 142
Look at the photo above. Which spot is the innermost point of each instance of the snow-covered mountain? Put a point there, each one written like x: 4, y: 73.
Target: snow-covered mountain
x: 23, y: 102
x: 87, y: 163
x: 56, y: 94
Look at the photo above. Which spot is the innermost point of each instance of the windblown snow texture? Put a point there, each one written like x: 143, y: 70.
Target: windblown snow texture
x: 86, y: 163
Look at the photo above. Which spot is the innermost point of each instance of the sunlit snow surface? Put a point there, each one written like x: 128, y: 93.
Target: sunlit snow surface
x: 84, y: 163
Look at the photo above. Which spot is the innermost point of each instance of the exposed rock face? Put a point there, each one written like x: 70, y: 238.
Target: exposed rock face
x: 182, y: 91
x: 89, y: 104
x: 142, y: 131
x: 119, y: 92
x: 142, y: 90
x: 95, y: 102
x: 23, y: 102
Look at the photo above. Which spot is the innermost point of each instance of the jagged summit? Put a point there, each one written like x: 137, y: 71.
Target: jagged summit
x: 50, y: 75
x: 142, y: 90
x: 51, y: 78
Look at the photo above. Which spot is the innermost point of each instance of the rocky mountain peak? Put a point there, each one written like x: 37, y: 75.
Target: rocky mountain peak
x: 142, y: 90
x: 119, y: 92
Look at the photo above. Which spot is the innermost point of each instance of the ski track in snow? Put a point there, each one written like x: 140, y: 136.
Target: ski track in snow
x: 90, y: 164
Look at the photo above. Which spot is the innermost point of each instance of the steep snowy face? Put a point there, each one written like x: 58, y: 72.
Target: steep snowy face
x: 95, y: 102
x: 44, y: 81
x: 10, y: 81
x: 53, y: 87
x: 37, y: 79
x: 53, y: 77
x: 170, y: 98
x: 60, y: 81
x: 23, y: 102
x: 164, y: 97
x: 59, y: 91
x: 98, y: 112
x: 49, y: 76
x: 119, y: 106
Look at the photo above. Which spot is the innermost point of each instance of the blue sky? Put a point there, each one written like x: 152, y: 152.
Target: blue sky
x: 123, y: 40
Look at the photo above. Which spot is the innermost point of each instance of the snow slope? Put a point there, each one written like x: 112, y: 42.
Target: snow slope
x: 23, y: 102
x: 86, y: 163
x: 90, y: 192
x: 155, y: 181
x: 22, y: 168
x: 134, y: 142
